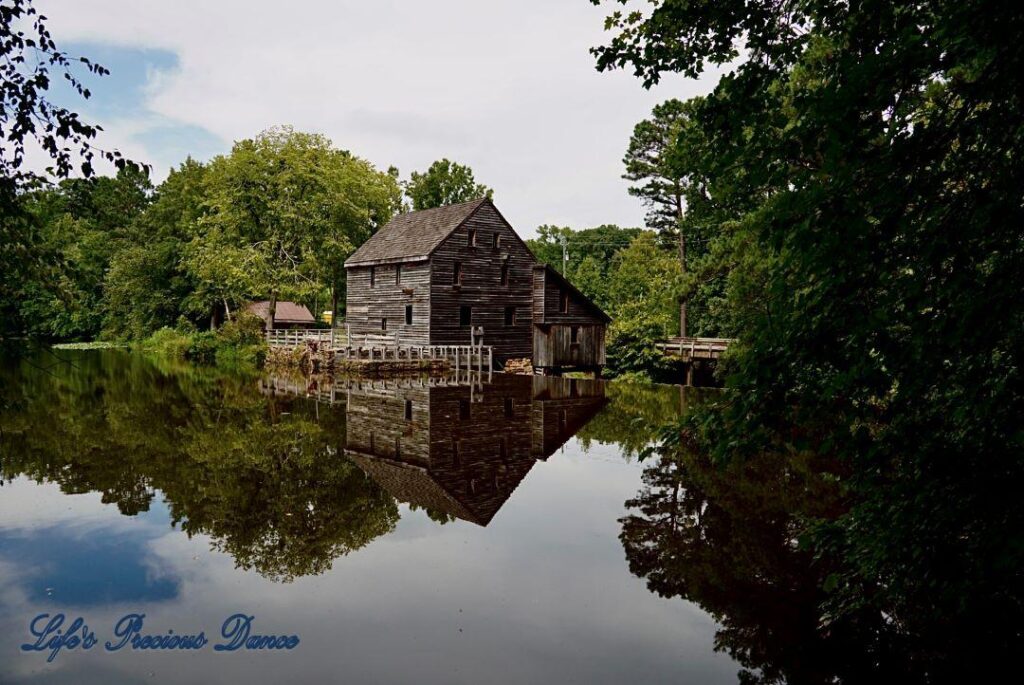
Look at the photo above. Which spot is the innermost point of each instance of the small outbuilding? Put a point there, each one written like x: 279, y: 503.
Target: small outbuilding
x: 286, y: 314
x: 461, y: 275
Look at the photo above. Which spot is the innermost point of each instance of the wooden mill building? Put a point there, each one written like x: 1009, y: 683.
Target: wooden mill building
x: 461, y: 275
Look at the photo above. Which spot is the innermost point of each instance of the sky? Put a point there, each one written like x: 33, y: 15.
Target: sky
x: 505, y: 86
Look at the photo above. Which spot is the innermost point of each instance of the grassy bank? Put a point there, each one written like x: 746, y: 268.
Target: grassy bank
x: 238, y: 343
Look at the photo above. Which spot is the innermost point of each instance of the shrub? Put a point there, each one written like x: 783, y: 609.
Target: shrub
x: 167, y: 342
x: 203, y: 348
x: 245, y: 329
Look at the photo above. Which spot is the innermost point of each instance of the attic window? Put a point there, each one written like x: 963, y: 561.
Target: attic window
x: 457, y: 274
x: 497, y: 239
x: 472, y: 237
x: 373, y: 275
x: 398, y: 274
x: 563, y: 302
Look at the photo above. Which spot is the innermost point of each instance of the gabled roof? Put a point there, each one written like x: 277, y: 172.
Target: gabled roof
x: 413, y: 236
x: 564, y: 283
x: 284, y: 312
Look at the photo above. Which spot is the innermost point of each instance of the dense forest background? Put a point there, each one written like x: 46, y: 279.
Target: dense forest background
x: 278, y: 216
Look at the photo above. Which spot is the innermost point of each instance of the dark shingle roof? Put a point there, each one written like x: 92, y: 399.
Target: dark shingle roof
x: 284, y: 311
x: 413, y: 235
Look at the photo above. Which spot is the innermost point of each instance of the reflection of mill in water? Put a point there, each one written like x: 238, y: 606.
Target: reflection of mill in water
x: 462, y: 449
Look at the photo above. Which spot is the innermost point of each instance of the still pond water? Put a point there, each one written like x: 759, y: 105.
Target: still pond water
x: 447, y: 532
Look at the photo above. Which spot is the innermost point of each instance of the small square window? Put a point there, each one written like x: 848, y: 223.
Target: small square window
x: 465, y: 315
x: 408, y: 315
x: 510, y: 316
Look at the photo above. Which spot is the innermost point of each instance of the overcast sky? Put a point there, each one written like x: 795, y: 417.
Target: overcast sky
x: 505, y: 86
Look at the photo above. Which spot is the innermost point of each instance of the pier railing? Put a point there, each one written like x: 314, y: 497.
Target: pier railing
x: 296, y: 337
x: 696, y: 348
x: 384, y: 347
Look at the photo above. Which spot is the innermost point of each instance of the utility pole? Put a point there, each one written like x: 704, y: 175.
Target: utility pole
x: 565, y: 254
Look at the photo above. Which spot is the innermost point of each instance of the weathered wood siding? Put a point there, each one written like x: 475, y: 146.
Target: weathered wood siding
x: 553, y: 344
x: 376, y: 424
x: 561, y: 407
x: 366, y: 306
x: 481, y: 287
x: 551, y: 298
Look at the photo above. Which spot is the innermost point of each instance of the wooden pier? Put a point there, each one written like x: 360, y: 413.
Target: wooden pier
x: 384, y: 348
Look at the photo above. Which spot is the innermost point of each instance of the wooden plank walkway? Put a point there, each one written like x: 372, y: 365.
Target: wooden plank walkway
x: 384, y: 348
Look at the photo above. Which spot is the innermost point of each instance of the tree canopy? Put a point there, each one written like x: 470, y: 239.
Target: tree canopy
x: 867, y: 161
x: 444, y: 183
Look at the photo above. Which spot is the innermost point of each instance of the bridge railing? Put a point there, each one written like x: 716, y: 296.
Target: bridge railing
x: 692, y: 347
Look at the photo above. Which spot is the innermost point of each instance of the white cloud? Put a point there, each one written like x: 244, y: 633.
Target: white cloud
x: 507, y: 87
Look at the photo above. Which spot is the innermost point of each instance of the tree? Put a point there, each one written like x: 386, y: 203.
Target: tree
x: 444, y: 183
x: 83, y: 223
x: 875, y: 282
x: 285, y: 209
x: 29, y: 59
x: 643, y: 287
x: 664, y: 160
x: 649, y: 165
x: 147, y: 286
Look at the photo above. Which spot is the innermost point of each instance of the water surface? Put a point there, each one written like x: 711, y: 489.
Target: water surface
x: 462, y: 530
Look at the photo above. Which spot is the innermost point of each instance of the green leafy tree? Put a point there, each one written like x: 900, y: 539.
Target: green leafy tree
x: 874, y: 282
x: 285, y: 208
x: 83, y: 223
x: 29, y: 61
x: 657, y: 180
x: 147, y: 286
x: 444, y: 183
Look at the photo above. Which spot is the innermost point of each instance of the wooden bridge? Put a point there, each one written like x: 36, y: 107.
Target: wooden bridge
x: 691, y: 350
x: 384, y: 348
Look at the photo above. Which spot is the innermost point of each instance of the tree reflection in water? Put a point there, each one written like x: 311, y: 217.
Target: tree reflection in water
x: 260, y: 475
x: 753, y: 543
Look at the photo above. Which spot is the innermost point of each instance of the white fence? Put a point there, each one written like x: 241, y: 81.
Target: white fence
x: 297, y: 337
